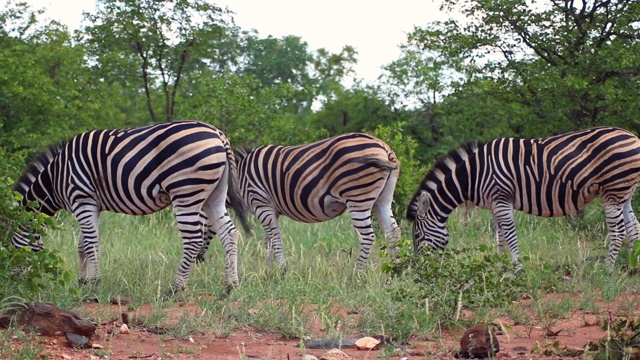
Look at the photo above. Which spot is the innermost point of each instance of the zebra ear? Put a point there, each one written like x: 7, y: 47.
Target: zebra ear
x: 423, y: 204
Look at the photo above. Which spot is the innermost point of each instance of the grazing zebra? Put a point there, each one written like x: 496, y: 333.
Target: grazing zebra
x: 187, y: 164
x: 317, y: 182
x: 553, y: 176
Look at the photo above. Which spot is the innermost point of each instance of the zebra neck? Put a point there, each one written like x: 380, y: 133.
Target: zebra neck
x: 42, y: 190
x: 451, y: 191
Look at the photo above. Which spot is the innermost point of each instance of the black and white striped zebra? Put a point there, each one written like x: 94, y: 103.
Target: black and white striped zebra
x: 186, y: 164
x: 317, y: 182
x: 553, y: 176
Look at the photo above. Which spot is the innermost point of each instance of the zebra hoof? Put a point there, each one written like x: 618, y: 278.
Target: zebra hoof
x: 283, y: 272
x: 91, y: 282
x: 171, y: 293
x: 226, y: 291
x: 633, y: 272
x: 200, y: 259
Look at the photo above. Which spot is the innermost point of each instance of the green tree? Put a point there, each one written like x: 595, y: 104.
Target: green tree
x: 546, y: 67
x: 150, y: 45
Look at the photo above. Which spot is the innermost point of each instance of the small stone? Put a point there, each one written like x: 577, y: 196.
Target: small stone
x: 77, y: 341
x: 367, y: 343
x: 124, y: 329
x: 309, y: 357
x: 96, y: 346
x: 335, y: 354
x: 66, y: 357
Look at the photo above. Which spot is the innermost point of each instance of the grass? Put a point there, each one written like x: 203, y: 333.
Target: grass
x: 320, y: 295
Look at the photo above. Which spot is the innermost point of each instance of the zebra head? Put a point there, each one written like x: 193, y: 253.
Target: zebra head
x: 36, y: 187
x: 428, y: 228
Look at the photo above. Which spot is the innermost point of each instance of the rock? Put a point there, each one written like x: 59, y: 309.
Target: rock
x: 478, y: 342
x: 77, y: 341
x: 48, y: 319
x: 335, y: 354
x: 367, y: 343
x: 97, y: 346
x: 124, y: 329
x: 309, y: 357
x: 330, y: 343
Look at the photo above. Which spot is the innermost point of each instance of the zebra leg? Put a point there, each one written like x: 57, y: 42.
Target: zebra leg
x: 220, y: 223
x: 208, y: 235
x: 499, y: 236
x: 190, y: 227
x: 88, y: 245
x: 506, y: 228
x: 388, y: 225
x: 268, y: 244
x: 273, y: 239
x: 632, y: 229
x: 615, y: 226
x: 361, y: 218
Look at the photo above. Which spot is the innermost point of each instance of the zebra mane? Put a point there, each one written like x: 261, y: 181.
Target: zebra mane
x: 443, y: 165
x: 36, y: 166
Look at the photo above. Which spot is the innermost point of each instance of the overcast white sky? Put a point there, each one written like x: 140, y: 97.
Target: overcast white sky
x: 374, y: 28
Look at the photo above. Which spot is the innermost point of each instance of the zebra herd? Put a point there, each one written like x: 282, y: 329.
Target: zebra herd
x: 190, y: 165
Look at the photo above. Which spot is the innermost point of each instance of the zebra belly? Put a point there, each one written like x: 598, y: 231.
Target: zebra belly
x: 315, y: 213
x: 158, y: 200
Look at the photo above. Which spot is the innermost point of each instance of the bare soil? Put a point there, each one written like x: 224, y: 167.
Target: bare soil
x: 516, y: 340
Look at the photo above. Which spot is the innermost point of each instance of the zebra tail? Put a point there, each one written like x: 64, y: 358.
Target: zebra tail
x: 378, y: 163
x: 233, y: 193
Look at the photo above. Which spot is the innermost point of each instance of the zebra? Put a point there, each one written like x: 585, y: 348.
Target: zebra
x: 317, y: 182
x: 552, y: 176
x: 138, y: 171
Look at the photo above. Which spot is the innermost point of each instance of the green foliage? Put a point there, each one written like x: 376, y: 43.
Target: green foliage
x: 621, y: 342
x: 411, y: 169
x: 23, y: 273
x: 516, y: 69
x: 448, y: 281
x: 29, y: 346
x: 151, y: 44
x: 353, y: 110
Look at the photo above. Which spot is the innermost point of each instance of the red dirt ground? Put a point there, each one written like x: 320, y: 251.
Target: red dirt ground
x: 516, y: 341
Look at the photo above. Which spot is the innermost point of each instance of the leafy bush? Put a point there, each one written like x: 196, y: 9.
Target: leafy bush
x: 411, y: 170
x: 24, y: 273
x: 446, y: 282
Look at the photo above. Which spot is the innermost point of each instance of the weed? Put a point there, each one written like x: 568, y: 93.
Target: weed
x: 445, y: 282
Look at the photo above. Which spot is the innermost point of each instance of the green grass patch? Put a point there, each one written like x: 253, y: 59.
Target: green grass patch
x: 322, y: 296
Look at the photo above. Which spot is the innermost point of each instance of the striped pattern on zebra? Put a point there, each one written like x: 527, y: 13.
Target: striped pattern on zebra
x: 317, y: 182
x: 553, y: 176
x: 186, y: 164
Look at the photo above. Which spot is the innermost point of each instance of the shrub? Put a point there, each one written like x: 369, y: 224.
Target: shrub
x: 24, y: 273
x: 411, y: 170
x: 452, y: 279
